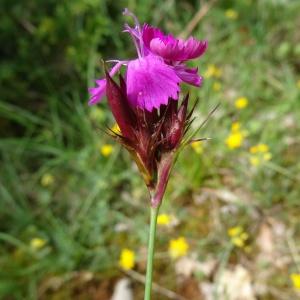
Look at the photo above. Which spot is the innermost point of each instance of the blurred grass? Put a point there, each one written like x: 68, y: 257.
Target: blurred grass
x: 51, y: 53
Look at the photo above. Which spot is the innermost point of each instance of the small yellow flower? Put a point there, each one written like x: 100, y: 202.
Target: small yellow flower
x: 213, y: 71
x: 235, y: 140
x: 260, y: 154
x: 164, y: 219
x: 295, y: 277
x: 238, y: 241
x: 127, y: 259
x: 116, y: 128
x: 298, y: 84
x: 47, y: 180
x: 234, y: 231
x: 241, y: 103
x: 197, y: 147
x: 37, y: 243
x: 231, y: 14
x: 106, y: 150
x: 253, y: 149
x: 263, y: 148
x: 217, y: 86
x: 238, y: 236
x: 236, y: 137
x: 178, y: 247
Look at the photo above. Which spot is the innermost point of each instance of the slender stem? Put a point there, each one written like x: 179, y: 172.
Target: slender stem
x: 148, y: 283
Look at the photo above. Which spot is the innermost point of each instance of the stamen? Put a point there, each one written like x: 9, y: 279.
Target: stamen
x: 123, y: 62
x: 127, y: 12
x: 134, y: 37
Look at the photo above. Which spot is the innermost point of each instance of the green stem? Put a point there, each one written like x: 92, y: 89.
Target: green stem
x: 148, y: 282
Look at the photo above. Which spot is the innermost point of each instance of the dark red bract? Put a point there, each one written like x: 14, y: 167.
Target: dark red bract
x: 151, y: 138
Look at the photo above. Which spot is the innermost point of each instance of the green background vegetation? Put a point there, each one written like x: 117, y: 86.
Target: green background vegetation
x: 51, y: 52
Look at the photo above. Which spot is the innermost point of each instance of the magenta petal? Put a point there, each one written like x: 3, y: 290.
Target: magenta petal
x: 177, y: 50
x: 188, y: 75
x: 98, y: 92
x: 194, y: 48
x: 149, y: 33
x: 151, y: 82
x: 170, y: 48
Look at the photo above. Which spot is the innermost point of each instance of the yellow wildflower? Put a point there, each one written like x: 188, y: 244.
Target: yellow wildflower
x: 295, y: 277
x: 178, y: 247
x: 197, y: 147
x: 253, y: 149
x: 106, y: 150
x: 217, y: 86
x: 241, y: 102
x: 235, y: 140
x: 163, y: 219
x: 238, y: 241
x: 263, y: 148
x: 116, y: 128
x: 213, y: 71
x: 127, y: 259
x: 47, y: 180
x: 238, y: 236
x: 260, y: 154
x: 231, y: 14
x: 234, y: 231
x: 236, y: 137
x: 37, y: 243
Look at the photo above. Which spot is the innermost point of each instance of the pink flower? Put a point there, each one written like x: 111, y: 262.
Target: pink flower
x: 151, y: 138
x: 154, y: 77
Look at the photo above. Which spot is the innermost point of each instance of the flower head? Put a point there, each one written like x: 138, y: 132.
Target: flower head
x: 154, y: 77
x: 198, y: 147
x: 231, y: 14
x: 170, y: 48
x: 127, y: 259
x: 178, y: 247
x: 213, y: 71
x: 145, y: 102
x: 164, y: 219
x: 116, y: 129
x: 259, y: 154
x: 106, y: 150
x: 236, y: 137
x: 241, y: 103
x: 238, y: 236
x: 37, y: 243
x: 295, y: 277
x: 234, y: 140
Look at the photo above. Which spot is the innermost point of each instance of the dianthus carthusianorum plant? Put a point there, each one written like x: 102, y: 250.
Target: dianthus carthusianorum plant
x: 145, y: 104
